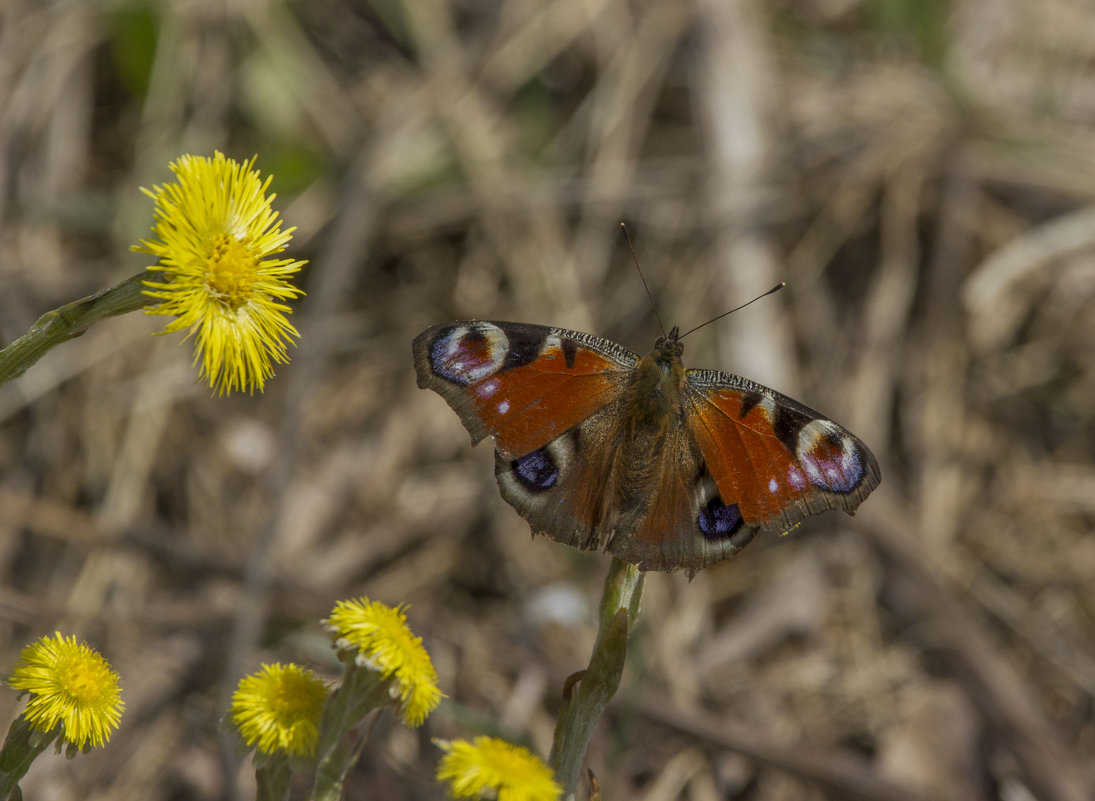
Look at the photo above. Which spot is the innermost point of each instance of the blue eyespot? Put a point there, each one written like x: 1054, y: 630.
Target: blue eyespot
x: 717, y: 520
x: 536, y: 471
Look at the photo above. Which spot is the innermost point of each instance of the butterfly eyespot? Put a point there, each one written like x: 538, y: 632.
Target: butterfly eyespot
x: 831, y: 461
x: 717, y: 520
x: 465, y: 354
x: 536, y: 471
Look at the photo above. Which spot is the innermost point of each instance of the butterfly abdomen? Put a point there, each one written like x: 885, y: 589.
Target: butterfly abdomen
x: 650, y: 408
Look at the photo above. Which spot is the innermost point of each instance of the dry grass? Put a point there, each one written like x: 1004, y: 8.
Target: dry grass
x: 923, y: 176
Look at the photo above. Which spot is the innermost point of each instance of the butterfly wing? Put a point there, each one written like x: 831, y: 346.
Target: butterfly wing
x: 523, y: 384
x: 550, y: 399
x: 683, y: 525
x: 741, y: 459
x: 773, y: 460
x: 565, y: 489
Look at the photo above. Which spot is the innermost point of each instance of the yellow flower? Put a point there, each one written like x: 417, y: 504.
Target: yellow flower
x: 70, y: 685
x: 216, y: 234
x: 278, y: 709
x: 496, y: 768
x: 382, y: 641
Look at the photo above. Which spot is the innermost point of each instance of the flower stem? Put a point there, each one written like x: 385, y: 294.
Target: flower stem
x: 21, y: 748
x: 582, y: 708
x: 362, y: 691
x: 273, y: 780
x: 68, y: 322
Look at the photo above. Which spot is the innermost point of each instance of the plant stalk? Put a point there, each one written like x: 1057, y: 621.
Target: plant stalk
x: 582, y: 707
x: 70, y: 321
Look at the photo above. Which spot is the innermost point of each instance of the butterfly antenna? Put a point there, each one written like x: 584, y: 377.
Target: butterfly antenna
x: 771, y: 291
x: 634, y: 258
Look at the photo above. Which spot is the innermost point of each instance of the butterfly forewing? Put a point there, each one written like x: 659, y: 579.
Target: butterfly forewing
x: 775, y: 459
x: 522, y: 384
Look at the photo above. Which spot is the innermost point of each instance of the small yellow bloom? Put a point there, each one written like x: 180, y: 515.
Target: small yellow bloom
x: 380, y: 636
x: 70, y: 685
x: 495, y: 768
x: 278, y: 709
x: 216, y: 235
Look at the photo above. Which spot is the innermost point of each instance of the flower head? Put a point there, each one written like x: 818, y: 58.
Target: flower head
x: 216, y: 233
x: 278, y: 709
x: 495, y: 767
x: 70, y: 685
x: 382, y: 642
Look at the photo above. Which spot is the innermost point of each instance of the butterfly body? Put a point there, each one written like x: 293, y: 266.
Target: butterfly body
x: 664, y: 467
x: 644, y: 419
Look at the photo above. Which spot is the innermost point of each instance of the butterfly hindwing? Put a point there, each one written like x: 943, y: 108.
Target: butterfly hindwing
x: 565, y: 488
x: 684, y: 524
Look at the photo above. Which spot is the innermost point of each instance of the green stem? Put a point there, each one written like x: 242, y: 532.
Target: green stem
x: 21, y: 748
x: 70, y: 321
x: 273, y: 780
x: 582, y: 708
x: 362, y: 691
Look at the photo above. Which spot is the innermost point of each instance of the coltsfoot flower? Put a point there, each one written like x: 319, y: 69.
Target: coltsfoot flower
x: 71, y: 686
x: 379, y: 637
x: 217, y: 235
x: 277, y: 710
x: 496, y: 769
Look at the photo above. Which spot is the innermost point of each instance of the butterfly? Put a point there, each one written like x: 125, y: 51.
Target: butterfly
x: 666, y: 468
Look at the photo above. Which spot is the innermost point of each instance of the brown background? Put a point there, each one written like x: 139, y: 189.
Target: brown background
x: 921, y: 174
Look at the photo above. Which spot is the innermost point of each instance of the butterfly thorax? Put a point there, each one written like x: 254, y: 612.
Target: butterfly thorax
x: 654, y: 392
x: 649, y: 409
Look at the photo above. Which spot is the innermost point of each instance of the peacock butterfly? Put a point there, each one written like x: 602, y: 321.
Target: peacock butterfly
x: 661, y: 466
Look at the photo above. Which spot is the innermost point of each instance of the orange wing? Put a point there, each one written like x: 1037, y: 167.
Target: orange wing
x: 522, y: 384
x: 777, y: 460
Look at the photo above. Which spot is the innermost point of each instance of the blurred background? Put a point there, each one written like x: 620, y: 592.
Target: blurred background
x: 922, y: 174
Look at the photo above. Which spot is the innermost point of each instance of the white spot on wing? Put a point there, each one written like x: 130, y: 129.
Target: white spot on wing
x: 552, y: 348
x: 768, y: 406
x: 487, y: 388
x: 773, y: 486
x: 503, y: 407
